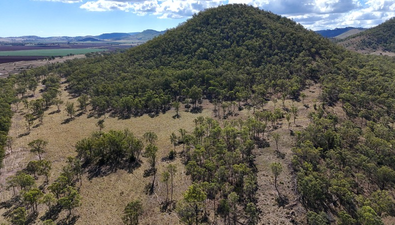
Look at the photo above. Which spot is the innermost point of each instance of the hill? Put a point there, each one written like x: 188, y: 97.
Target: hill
x: 112, y: 36
x: 328, y: 146
x: 135, y: 37
x: 379, y: 38
x: 349, y: 33
x: 338, y: 31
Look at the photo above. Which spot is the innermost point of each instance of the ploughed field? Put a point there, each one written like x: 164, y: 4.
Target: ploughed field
x: 15, y: 53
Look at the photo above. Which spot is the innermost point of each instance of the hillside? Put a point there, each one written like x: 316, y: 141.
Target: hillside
x: 349, y: 33
x: 379, y: 38
x: 265, y: 122
x: 338, y: 31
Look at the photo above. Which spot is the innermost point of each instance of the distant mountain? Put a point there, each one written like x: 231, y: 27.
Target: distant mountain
x: 336, y: 32
x: 113, y: 36
x: 88, y: 39
x: 133, y: 37
x: 349, y: 33
x: 379, y: 38
x: 146, y: 35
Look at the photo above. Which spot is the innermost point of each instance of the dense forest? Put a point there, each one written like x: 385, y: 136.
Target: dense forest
x: 240, y: 56
x: 380, y: 37
x: 7, y: 97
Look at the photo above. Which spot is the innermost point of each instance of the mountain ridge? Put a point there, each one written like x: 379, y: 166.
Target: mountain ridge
x: 105, y: 37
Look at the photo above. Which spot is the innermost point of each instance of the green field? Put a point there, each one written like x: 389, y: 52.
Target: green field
x: 50, y: 52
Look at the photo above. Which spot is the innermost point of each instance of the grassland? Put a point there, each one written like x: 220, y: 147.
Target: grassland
x: 50, y: 52
x: 105, y: 197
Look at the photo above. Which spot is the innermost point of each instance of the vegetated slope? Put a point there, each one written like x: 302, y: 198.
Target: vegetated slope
x: 237, y: 52
x: 230, y: 52
x: 349, y: 33
x: 338, y: 31
x: 343, y: 165
x: 7, y: 97
x: 381, y: 37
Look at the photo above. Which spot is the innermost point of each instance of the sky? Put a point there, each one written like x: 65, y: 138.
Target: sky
x: 93, y: 17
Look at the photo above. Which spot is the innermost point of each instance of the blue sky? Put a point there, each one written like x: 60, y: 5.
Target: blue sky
x: 93, y: 17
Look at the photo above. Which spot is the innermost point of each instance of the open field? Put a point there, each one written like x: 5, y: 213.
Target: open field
x: 26, y: 52
x: 50, y: 52
x: 21, y: 63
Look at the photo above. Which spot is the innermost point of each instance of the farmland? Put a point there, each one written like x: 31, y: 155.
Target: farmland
x: 28, y: 52
x: 50, y: 52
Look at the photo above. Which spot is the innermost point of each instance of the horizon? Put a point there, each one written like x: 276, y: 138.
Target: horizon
x: 57, y: 18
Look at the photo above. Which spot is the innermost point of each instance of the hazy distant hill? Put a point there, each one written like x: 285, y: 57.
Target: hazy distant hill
x: 381, y: 37
x: 349, y: 33
x: 338, y: 31
x: 134, y: 37
x: 112, y: 36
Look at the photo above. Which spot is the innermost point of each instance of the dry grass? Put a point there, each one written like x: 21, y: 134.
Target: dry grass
x: 16, y: 67
x: 104, y: 198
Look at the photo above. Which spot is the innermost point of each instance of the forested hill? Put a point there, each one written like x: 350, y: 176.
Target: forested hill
x: 228, y: 52
x: 381, y: 37
x: 342, y: 161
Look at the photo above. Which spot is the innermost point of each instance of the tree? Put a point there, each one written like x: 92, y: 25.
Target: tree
x: 165, y: 179
x: 288, y: 118
x: 100, y: 124
x: 29, y: 121
x: 195, y: 196
x: 367, y: 216
x: 48, y: 199
x: 233, y: 199
x: 18, y: 216
x: 174, y: 140
x: 71, y: 200
x: 132, y: 212
x: 150, y: 137
x: 83, y: 101
x: 276, y: 168
x: 171, y: 169
x: 33, y: 197
x: 57, y: 102
x: 294, y: 111
x: 314, y: 218
x: 70, y: 109
x: 195, y: 94
x: 38, y: 146
x: 276, y: 137
x: 150, y: 153
x: 176, y: 106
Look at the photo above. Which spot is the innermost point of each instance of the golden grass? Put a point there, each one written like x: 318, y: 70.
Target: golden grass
x: 104, y: 198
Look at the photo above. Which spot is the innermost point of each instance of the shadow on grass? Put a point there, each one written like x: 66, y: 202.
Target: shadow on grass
x: 68, y: 120
x: 54, y: 112
x: 70, y: 220
x: 98, y: 170
x: 80, y: 114
x: 24, y: 134
x: 52, y: 213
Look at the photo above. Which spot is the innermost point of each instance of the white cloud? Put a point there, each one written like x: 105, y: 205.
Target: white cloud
x: 63, y: 1
x: 313, y: 14
x: 104, y: 5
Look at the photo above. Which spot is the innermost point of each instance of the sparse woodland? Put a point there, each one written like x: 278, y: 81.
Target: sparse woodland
x: 238, y: 58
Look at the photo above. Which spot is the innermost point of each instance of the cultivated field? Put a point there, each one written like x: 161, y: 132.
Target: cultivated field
x: 51, y: 52
x: 16, y: 53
